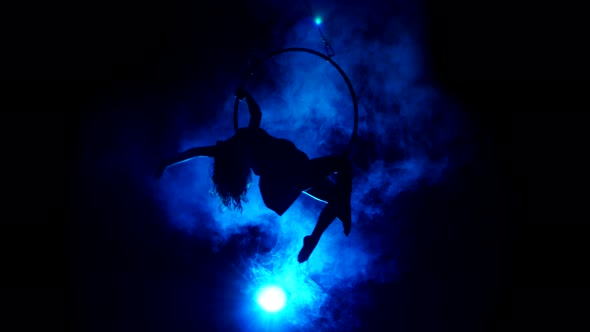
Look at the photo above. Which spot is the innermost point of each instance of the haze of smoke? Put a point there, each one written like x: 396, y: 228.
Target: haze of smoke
x: 305, y: 100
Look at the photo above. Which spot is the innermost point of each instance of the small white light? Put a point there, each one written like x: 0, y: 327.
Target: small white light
x: 271, y: 298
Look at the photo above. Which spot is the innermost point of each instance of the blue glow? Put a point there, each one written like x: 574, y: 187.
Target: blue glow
x: 305, y: 101
x: 318, y: 20
x: 271, y: 298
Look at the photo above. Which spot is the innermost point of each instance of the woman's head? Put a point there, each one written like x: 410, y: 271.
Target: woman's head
x: 231, y: 176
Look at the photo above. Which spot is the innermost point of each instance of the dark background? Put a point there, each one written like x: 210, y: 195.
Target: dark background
x: 518, y: 69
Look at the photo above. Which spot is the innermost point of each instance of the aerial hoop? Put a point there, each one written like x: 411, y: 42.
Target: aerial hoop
x: 323, y: 56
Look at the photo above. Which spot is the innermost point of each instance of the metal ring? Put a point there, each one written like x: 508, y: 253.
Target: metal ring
x: 323, y: 56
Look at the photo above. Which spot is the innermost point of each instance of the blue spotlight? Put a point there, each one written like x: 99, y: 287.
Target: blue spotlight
x: 318, y: 20
x: 271, y: 298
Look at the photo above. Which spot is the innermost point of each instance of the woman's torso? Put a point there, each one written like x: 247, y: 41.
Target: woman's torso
x: 268, y: 155
x: 278, y: 162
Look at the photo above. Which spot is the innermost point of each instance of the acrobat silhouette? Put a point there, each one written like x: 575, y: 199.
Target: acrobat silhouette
x: 284, y: 171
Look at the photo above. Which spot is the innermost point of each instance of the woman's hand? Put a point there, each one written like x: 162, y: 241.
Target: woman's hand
x: 241, y: 93
x: 160, y: 170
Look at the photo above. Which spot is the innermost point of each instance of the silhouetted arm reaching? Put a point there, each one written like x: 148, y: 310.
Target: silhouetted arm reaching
x: 203, y: 151
x: 253, y: 108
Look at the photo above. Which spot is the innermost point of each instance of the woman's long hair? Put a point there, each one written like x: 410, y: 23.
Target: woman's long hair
x: 231, y: 177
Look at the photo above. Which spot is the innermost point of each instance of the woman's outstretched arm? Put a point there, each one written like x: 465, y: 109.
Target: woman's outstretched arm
x: 203, y: 151
x: 253, y: 108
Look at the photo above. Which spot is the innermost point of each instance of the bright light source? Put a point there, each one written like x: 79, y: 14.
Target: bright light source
x: 271, y: 298
x: 318, y: 20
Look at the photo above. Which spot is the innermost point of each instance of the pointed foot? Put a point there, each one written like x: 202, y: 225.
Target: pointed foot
x: 344, y: 216
x: 309, y: 244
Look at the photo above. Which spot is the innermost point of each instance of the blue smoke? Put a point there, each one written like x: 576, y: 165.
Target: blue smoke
x: 406, y: 131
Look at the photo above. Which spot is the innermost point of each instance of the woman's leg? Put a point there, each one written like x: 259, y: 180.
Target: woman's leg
x: 325, y: 191
x: 327, y: 215
x: 318, y: 186
x: 320, y: 168
x: 337, y: 197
